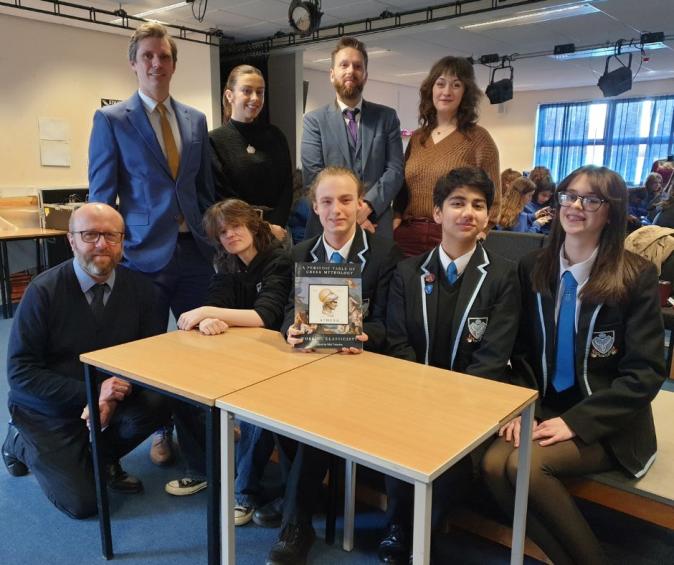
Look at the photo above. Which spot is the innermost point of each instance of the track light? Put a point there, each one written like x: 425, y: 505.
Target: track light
x: 618, y: 80
x: 502, y: 90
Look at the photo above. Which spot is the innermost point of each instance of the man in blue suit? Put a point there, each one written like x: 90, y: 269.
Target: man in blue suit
x: 151, y: 152
x: 359, y: 135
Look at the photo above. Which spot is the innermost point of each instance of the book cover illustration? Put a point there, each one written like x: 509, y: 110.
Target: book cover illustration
x: 328, y: 304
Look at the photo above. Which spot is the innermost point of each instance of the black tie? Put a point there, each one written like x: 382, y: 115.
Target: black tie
x: 97, y: 305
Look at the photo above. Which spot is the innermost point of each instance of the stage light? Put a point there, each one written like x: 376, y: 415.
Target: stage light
x: 501, y: 90
x: 618, y: 80
x: 305, y: 16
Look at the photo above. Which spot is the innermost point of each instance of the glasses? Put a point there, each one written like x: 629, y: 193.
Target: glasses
x: 94, y: 236
x: 588, y: 203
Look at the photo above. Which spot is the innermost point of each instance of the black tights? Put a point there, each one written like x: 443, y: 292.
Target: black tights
x: 553, y: 519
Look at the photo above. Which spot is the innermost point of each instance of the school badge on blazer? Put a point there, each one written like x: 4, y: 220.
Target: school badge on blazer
x: 602, y: 344
x: 476, y: 329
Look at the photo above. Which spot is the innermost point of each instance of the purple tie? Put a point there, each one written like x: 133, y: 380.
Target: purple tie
x: 352, y: 124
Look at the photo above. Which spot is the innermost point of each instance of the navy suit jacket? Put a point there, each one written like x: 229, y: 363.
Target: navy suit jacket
x: 126, y: 161
x: 324, y: 143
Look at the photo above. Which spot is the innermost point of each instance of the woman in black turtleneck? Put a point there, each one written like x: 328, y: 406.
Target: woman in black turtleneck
x: 251, y: 160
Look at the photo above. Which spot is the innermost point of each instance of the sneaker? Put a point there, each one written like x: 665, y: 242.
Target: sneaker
x: 243, y: 514
x: 395, y: 547
x: 15, y: 466
x: 185, y: 487
x: 161, y: 452
x: 293, y: 545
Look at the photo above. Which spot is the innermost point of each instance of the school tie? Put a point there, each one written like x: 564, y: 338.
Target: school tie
x: 336, y: 257
x: 352, y: 124
x: 169, y: 141
x: 97, y: 305
x: 565, y: 361
x: 452, y: 273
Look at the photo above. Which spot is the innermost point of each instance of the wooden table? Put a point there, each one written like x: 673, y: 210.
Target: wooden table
x: 16, y: 235
x: 196, y: 369
x: 403, y: 419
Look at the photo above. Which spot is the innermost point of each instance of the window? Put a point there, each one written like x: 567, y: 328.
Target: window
x: 626, y: 135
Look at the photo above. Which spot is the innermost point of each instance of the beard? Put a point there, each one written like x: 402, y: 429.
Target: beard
x: 349, y: 92
x: 97, y: 266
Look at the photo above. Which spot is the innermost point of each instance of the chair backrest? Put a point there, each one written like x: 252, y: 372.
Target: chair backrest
x: 513, y: 245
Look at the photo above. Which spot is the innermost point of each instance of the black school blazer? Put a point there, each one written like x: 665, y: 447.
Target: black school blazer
x: 619, y: 365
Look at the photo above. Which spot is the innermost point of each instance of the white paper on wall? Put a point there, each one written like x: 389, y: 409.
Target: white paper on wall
x: 54, y: 129
x: 54, y: 153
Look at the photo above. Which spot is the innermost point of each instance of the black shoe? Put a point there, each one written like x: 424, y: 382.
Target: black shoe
x: 269, y: 515
x: 120, y: 481
x: 293, y: 545
x: 15, y: 466
x: 395, y: 547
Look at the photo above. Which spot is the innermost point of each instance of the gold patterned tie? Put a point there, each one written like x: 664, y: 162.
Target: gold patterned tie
x: 169, y: 141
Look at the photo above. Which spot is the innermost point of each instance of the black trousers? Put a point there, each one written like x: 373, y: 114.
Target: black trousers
x: 305, y: 480
x: 58, y: 453
x: 448, y: 489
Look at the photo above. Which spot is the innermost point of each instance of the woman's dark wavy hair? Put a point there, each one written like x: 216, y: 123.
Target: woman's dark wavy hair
x: 235, y: 212
x: 466, y: 115
x: 615, y: 270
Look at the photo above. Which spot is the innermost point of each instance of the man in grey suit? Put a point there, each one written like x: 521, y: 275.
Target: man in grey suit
x: 359, y: 135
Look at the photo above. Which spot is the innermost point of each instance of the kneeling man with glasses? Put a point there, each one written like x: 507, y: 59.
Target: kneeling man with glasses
x: 81, y: 305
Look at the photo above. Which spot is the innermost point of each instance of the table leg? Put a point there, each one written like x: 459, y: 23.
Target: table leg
x: 213, y: 478
x: 101, y: 487
x: 421, y: 536
x: 6, y: 287
x: 227, y: 488
x: 522, y: 487
x: 349, y: 503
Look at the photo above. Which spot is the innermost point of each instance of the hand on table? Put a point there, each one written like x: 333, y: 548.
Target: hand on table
x: 294, y: 338
x: 212, y: 326
x: 361, y: 337
x: 191, y: 319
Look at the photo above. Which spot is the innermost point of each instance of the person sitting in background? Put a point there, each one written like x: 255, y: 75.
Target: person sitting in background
x: 300, y: 209
x: 590, y: 341
x: 653, y: 185
x: 455, y: 307
x: 449, y: 137
x: 507, y: 177
x: 541, y: 203
x: 637, y: 213
x: 513, y: 217
x: 251, y: 291
x: 251, y: 159
x: 88, y: 303
x: 665, y: 211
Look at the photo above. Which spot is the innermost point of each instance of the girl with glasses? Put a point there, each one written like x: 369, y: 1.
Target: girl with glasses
x: 591, y: 341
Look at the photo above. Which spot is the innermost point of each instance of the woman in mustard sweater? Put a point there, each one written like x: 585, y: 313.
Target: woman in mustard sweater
x: 449, y: 137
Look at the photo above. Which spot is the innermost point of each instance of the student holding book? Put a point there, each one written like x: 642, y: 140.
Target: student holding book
x: 251, y: 290
x: 591, y: 341
x: 336, y: 195
x: 455, y: 307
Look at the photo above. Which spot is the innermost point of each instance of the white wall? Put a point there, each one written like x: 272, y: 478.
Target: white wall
x: 53, y: 70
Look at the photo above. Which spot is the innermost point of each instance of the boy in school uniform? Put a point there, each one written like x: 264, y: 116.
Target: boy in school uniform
x: 336, y: 195
x: 456, y: 307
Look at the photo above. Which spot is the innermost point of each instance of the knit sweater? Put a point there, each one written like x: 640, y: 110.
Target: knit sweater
x: 425, y: 164
x: 252, y: 162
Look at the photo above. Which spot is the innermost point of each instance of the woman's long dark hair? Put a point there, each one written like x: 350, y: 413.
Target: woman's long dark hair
x: 466, y: 115
x: 615, y: 270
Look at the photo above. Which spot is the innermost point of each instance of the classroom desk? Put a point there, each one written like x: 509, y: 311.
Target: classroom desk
x: 197, y: 369
x: 401, y: 418
x: 17, y: 235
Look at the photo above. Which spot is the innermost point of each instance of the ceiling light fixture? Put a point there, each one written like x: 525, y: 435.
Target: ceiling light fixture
x: 536, y: 16
x: 155, y: 11
x: 606, y: 51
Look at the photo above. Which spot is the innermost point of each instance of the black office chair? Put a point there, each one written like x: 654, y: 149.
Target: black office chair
x: 513, y: 245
